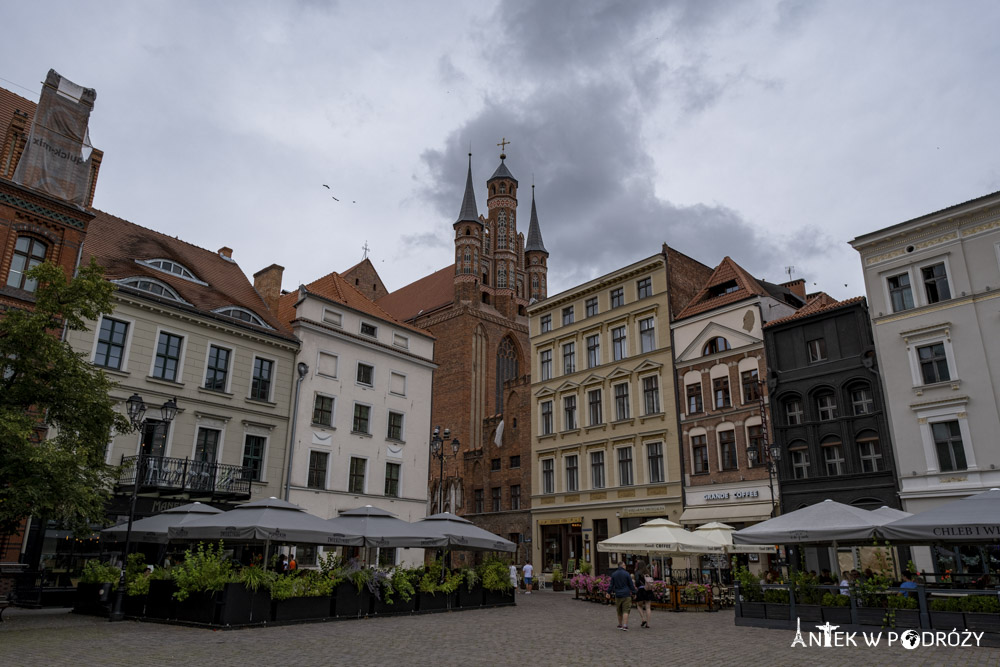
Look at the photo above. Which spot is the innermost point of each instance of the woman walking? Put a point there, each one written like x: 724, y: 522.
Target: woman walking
x: 644, y: 596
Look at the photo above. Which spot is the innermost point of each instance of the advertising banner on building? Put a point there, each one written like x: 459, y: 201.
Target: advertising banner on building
x: 56, y: 159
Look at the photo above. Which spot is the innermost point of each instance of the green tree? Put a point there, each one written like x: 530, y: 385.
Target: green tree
x: 56, y: 413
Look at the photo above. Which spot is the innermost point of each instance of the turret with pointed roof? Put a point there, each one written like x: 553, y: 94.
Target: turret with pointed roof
x: 536, y: 256
x: 469, y: 233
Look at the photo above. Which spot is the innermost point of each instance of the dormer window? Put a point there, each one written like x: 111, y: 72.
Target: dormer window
x: 369, y: 329
x: 152, y: 286
x: 724, y: 288
x: 242, y: 314
x: 171, y: 267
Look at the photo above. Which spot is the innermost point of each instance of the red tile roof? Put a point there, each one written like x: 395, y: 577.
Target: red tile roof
x: 818, y: 303
x: 422, y: 296
x: 333, y: 287
x: 726, y: 271
x: 116, y: 243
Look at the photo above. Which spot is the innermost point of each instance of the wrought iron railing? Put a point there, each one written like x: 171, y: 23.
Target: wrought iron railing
x: 197, y: 478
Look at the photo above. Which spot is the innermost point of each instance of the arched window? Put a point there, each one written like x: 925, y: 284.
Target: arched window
x: 241, y: 314
x: 506, y: 368
x: 534, y: 283
x: 475, y: 261
x: 170, y: 266
x: 153, y: 287
x: 717, y: 344
x: 502, y: 278
x: 502, y: 231
x: 28, y: 253
x: 467, y: 265
x: 503, y: 188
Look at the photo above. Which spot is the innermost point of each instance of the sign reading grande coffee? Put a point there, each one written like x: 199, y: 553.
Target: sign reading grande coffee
x: 738, y: 495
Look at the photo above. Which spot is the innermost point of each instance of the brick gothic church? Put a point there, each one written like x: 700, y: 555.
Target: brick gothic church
x: 476, y: 309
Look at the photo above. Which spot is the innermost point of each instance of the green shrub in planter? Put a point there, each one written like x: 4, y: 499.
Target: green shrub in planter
x: 946, y: 604
x: 495, y: 574
x: 776, y: 596
x: 255, y: 578
x: 204, y: 570
x: 749, y: 585
x: 833, y: 600
x: 902, y: 602
x: 96, y: 572
x: 980, y: 604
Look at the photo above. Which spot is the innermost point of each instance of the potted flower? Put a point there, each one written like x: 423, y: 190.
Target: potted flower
x: 200, y: 577
x: 558, y: 582
x: 93, y: 592
x: 695, y: 593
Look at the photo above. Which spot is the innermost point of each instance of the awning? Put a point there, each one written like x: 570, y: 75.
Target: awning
x: 727, y: 513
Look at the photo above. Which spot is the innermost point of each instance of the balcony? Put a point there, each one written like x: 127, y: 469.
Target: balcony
x: 164, y: 476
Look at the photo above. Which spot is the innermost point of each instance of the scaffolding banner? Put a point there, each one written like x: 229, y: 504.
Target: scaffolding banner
x: 56, y: 159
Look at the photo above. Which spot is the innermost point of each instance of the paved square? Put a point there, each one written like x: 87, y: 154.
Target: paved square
x: 544, y: 628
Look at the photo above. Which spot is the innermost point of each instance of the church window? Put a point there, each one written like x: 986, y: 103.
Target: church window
x: 475, y: 261
x: 506, y: 368
x: 534, y: 283
x: 502, y: 278
x: 502, y: 231
x: 466, y: 231
x: 503, y: 188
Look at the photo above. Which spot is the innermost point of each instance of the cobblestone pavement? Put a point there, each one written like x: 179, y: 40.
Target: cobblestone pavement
x: 543, y: 629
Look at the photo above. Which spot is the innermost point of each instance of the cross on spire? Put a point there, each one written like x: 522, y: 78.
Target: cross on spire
x: 503, y: 148
x: 366, y: 249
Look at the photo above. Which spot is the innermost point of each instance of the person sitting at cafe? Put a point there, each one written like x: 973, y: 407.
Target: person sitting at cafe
x: 908, y: 584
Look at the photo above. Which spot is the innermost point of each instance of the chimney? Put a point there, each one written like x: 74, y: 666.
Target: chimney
x: 796, y: 287
x: 226, y: 252
x: 267, y: 282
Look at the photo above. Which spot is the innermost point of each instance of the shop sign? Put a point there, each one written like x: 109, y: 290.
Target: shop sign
x: 555, y: 522
x: 737, y: 495
x: 645, y: 510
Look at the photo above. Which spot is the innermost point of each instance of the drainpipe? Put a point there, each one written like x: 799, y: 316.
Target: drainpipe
x: 303, y: 370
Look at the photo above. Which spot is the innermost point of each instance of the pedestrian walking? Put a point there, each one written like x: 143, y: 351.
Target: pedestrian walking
x: 644, y: 595
x: 622, y: 589
x: 527, y: 571
x: 513, y: 576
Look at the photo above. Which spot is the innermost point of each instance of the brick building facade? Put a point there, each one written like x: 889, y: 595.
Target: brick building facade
x: 476, y: 310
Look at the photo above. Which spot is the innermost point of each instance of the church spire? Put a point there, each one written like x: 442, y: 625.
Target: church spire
x: 534, y: 242
x: 469, y: 212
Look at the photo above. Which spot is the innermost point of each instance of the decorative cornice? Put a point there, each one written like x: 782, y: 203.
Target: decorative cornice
x: 41, y: 211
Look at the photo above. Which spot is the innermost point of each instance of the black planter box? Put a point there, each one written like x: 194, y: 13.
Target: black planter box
x: 160, y: 602
x: 94, y: 599
x: 777, y: 611
x: 432, y: 602
x: 982, y: 622
x: 753, y: 610
x: 397, y: 608
x: 470, y: 599
x: 809, y: 612
x: 349, y: 603
x: 837, y: 614
x: 907, y: 618
x: 242, y: 606
x: 134, y: 605
x: 498, y: 598
x: 946, y: 620
x: 872, y: 616
x: 199, y: 607
x: 300, y: 609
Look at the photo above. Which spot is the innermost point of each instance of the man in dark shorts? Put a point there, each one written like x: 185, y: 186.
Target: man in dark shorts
x: 622, y: 589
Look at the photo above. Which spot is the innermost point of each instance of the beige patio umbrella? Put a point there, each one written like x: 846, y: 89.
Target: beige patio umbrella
x: 660, y: 536
x: 722, y: 533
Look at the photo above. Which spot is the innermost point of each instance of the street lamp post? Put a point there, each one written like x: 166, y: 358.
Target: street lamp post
x: 771, y: 454
x: 136, y: 408
x: 437, y: 451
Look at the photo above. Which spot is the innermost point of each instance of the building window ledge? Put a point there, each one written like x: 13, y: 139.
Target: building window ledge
x: 260, y: 401
x: 954, y: 384
x: 569, y: 431
x: 362, y: 434
x: 623, y: 422
x: 215, y: 392
x: 169, y: 383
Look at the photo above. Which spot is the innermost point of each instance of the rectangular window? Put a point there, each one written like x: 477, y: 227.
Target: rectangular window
x: 654, y: 454
x: 651, y: 394
x: 362, y: 416
x: 168, y: 357
x: 900, y: 294
x: 260, y: 387
x: 694, y: 398
x: 494, y: 465
x: 597, y: 470
x: 569, y: 413
x: 545, y: 362
x: 621, y: 402
x: 817, y: 350
x: 617, y: 297
x: 326, y: 364
x: 28, y: 253
x: 618, y: 343
x: 721, y: 388
x: 827, y: 405
x: 479, y: 504
x: 495, y: 498
x: 572, y: 473
x: 397, y: 383
x: 395, y: 428
x: 644, y: 287
x: 567, y: 315
x: 793, y: 412
x: 323, y: 410
x: 800, y: 463
x: 569, y: 358
x: 870, y: 454
x: 515, y: 496
x: 933, y: 363
x: 218, y: 368
x: 332, y: 317
x: 751, y: 390
x: 317, y: 470
x: 593, y: 351
x: 392, y: 480
x: 948, y: 442
x: 625, y: 467
x: 935, y: 283
x: 591, y: 306
x: 647, y: 335
x: 755, y: 440
x: 253, y: 456
x: 206, y: 447
x: 833, y: 455
x: 400, y: 341
x: 369, y: 329
x: 386, y: 557
x: 594, y: 407
x: 548, y: 476
x: 154, y: 437
x: 727, y: 450
x: 356, y: 476
x: 366, y: 374
x: 862, y: 401
x: 546, y: 323
x: 546, y: 417
x: 515, y: 462
x: 699, y: 454
x: 111, y: 343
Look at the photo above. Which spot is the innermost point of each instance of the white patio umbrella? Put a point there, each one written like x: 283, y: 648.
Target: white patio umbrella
x: 154, y: 528
x: 888, y: 514
x: 972, y: 519
x: 461, y: 534
x: 660, y: 536
x: 722, y: 533
x: 824, y: 522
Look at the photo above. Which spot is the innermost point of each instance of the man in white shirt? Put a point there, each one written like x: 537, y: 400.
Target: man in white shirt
x: 528, y: 571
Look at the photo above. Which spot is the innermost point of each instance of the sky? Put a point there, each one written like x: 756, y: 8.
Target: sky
x: 771, y: 131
